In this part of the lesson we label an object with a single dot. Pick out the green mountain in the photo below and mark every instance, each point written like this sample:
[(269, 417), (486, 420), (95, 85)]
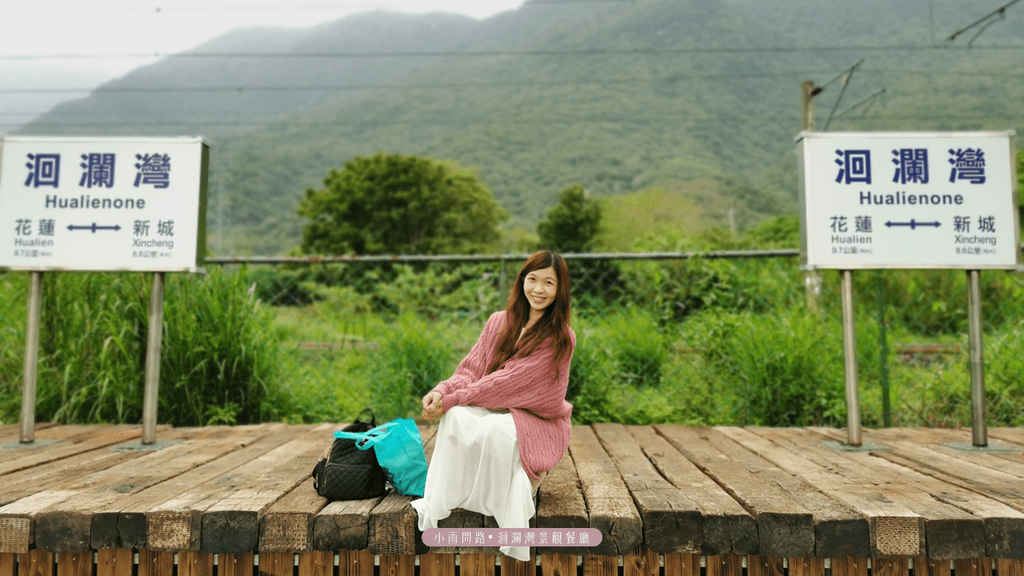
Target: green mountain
[(620, 96)]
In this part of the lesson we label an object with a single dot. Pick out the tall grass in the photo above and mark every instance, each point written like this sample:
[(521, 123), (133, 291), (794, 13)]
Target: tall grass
[(702, 341), (218, 363)]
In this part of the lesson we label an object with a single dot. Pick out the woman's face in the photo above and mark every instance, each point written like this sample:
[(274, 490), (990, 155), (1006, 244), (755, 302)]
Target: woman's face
[(540, 287)]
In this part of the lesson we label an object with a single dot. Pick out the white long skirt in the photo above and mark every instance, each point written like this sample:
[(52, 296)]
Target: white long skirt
[(476, 467)]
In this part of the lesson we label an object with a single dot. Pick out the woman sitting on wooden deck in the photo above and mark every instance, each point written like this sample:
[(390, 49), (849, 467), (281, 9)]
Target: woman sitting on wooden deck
[(506, 421)]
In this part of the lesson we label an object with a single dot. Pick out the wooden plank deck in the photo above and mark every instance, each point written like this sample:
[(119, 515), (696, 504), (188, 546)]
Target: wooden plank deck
[(667, 499)]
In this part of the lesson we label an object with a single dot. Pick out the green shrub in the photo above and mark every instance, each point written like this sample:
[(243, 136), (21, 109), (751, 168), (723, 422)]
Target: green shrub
[(638, 347), (590, 376), (782, 370), (220, 361), (414, 356)]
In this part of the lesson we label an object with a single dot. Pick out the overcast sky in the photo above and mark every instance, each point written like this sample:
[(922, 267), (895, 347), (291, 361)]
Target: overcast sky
[(66, 44)]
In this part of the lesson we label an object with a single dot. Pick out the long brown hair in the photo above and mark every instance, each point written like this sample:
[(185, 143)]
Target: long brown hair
[(554, 324)]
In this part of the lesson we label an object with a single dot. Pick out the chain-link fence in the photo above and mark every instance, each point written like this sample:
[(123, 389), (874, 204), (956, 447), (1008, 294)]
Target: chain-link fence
[(717, 338)]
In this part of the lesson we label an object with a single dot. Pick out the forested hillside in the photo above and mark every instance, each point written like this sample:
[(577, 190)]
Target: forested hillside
[(619, 96)]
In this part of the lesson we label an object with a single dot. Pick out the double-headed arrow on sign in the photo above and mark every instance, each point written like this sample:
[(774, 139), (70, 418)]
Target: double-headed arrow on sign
[(913, 224), (94, 227)]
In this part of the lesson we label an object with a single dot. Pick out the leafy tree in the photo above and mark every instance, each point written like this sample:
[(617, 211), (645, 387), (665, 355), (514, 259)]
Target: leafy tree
[(572, 224), (395, 204)]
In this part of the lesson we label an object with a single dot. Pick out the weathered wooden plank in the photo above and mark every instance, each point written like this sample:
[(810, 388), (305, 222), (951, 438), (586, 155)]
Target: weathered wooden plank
[(512, 567), (973, 567), (36, 563), (66, 526), (276, 564), (153, 563), (123, 522), (560, 501), (608, 500), (114, 562), (29, 480), (176, 522), (785, 528), (895, 566), (727, 526), (231, 525), (1009, 567), (288, 524), (806, 567), (1013, 436), (74, 564), (433, 564), (682, 565), (723, 565), (765, 566), (355, 563), (550, 565), (7, 562), (561, 505), (849, 566), (949, 534), (62, 441), (840, 528), (642, 561), (393, 528), (27, 493), (897, 528), (321, 563), (197, 564), (599, 565), (672, 522), (937, 439), (239, 564), (17, 530), (343, 525), (399, 566)]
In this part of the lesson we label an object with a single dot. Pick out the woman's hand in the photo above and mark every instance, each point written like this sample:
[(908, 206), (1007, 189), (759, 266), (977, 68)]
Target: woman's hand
[(432, 406)]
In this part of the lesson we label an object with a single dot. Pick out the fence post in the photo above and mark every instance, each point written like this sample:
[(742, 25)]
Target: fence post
[(979, 434), (28, 399)]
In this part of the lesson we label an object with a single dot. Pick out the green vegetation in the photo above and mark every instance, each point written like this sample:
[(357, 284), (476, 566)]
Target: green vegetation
[(394, 204), (701, 341), (219, 363), (572, 224)]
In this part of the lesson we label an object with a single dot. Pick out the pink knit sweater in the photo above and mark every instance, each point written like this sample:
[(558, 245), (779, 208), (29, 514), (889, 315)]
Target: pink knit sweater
[(528, 387)]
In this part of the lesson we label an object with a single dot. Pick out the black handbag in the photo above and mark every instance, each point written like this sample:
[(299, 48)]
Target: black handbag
[(348, 473)]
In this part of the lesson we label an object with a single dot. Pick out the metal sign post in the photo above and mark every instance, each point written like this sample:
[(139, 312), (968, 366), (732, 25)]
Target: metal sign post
[(28, 398), (850, 358), (979, 431), (156, 322)]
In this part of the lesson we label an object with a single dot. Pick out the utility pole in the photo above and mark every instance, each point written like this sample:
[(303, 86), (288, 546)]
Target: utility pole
[(812, 281)]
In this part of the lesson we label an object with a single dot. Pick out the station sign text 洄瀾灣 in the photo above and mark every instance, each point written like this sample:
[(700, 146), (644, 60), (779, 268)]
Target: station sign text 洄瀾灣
[(908, 200), (83, 203)]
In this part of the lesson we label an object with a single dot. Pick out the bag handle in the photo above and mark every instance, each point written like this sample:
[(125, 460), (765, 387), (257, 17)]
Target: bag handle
[(373, 417)]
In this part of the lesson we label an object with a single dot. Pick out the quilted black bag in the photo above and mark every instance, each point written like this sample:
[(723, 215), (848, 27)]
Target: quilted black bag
[(348, 473)]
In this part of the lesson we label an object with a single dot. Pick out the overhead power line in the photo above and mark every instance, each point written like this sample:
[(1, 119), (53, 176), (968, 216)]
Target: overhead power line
[(497, 53), (986, 21)]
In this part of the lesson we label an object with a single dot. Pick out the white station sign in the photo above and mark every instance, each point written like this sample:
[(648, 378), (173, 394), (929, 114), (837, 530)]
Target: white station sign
[(134, 204), (908, 200)]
